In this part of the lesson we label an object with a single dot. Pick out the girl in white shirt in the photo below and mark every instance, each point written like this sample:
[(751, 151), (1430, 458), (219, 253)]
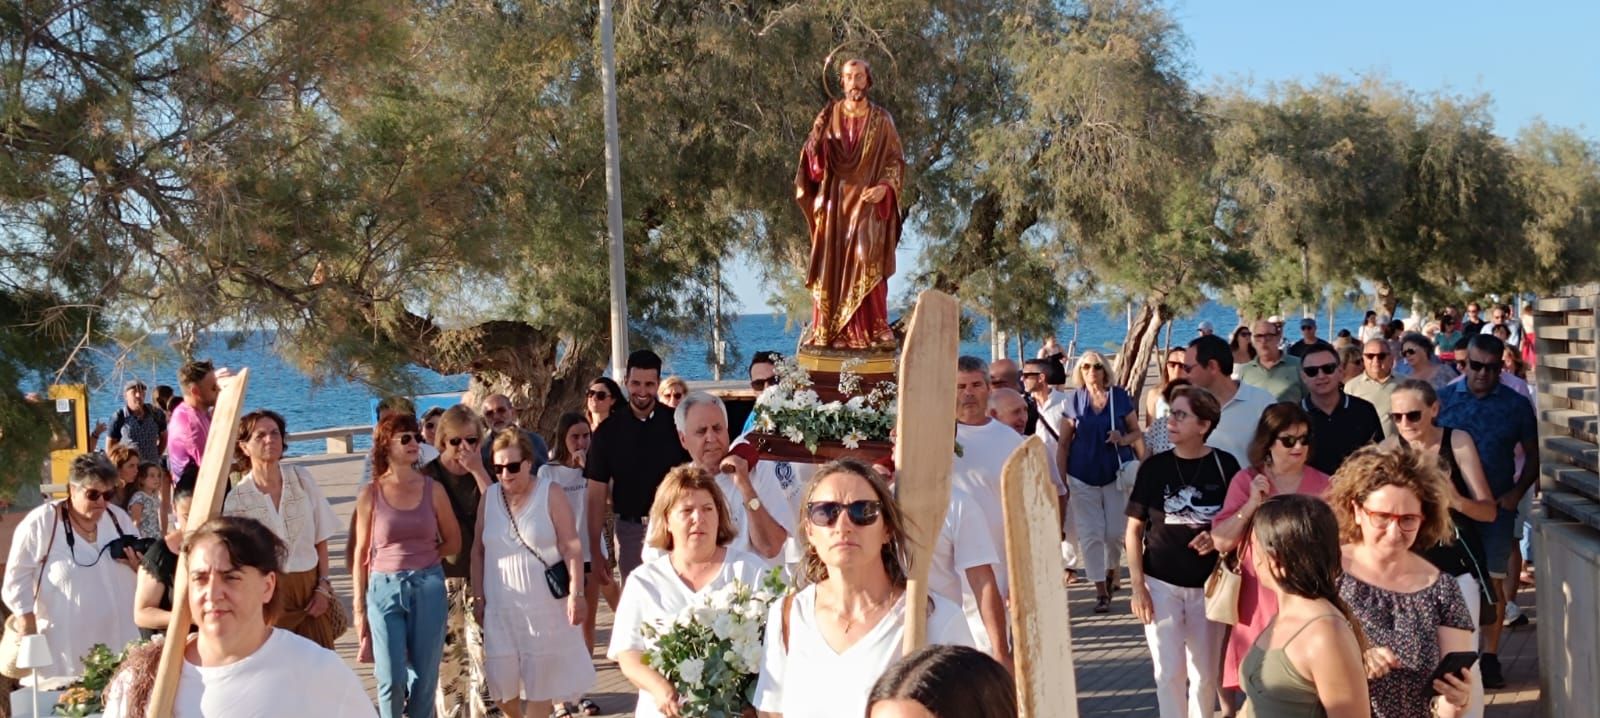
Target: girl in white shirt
[(827, 644), (689, 520)]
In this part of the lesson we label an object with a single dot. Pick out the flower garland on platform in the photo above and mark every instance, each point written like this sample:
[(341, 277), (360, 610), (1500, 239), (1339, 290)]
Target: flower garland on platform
[(792, 409)]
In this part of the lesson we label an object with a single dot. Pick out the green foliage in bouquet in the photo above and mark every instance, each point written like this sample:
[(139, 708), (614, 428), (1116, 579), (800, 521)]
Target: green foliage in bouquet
[(711, 652), (84, 698)]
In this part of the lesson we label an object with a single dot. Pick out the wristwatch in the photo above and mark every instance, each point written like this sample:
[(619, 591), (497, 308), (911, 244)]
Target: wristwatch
[(754, 505)]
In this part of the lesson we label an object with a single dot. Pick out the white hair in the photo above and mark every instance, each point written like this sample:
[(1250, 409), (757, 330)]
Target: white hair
[(694, 399)]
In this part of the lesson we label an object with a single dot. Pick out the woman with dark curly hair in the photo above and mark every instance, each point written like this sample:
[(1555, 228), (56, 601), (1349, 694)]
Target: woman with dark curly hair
[(1390, 499)]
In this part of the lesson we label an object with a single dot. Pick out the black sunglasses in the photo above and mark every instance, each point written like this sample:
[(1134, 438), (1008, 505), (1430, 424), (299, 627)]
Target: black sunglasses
[(1032, 373), (761, 384), (1377, 357), (98, 495), (1408, 351), (597, 394), (826, 513), (1289, 441), (469, 440), (1476, 365), (512, 467), (406, 438), (1411, 417), (1328, 369)]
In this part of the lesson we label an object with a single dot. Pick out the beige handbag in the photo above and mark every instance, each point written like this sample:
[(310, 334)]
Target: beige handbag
[(1222, 590), (11, 641)]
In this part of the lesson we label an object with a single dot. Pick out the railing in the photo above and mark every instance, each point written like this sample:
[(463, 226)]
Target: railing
[(341, 439)]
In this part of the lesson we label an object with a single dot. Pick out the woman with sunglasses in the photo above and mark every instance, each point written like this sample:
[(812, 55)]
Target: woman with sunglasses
[(1100, 428), (1420, 363), (565, 469), (404, 528), (1156, 407), (1278, 457), (689, 520), (672, 391), (62, 578), (1244, 350), (600, 400), (1389, 500), (287, 500), (828, 643), (535, 652)]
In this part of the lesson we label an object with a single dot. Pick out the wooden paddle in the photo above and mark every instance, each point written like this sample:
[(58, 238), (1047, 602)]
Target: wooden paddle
[(207, 504), (925, 436), (1040, 627)]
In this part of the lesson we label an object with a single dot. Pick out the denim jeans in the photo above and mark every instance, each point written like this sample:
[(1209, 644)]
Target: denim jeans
[(408, 614)]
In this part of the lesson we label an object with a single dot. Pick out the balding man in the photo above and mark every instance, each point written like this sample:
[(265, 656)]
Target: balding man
[(1272, 371), (1377, 380), (1004, 374)]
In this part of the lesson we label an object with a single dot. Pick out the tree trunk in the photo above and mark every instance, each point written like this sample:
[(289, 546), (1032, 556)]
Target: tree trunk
[(1384, 297), (1144, 335)]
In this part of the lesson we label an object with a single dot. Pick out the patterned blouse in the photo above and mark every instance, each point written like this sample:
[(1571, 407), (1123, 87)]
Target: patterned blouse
[(303, 519), (1408, 624)]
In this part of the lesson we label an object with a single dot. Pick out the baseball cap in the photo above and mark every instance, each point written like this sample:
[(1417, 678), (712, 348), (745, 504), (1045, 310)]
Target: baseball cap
[(1308, 323), (133, 384), (1205, 327)]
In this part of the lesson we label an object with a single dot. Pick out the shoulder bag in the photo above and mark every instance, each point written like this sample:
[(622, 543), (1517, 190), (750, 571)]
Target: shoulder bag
[(336, 617), (11, 641), (1127, 471), (556, 577), (1222, 588)]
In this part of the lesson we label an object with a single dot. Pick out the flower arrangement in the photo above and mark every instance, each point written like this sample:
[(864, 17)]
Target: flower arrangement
[(711, 652), (84, 698), (792, 409)]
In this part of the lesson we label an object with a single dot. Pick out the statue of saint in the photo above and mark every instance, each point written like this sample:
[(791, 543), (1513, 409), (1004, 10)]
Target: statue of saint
[(849, 185)]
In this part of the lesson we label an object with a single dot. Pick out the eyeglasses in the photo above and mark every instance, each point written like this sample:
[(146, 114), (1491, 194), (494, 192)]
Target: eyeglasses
[(406, 438), (1175, 365), (597, 394), (1411, 417), (826, 513), (1491, 366), (1381, 520), (1328, 369), (1380, 356), (468, 440), (1289, 441), (96, 495), (762, 384), (512, 467), (1180, 415)]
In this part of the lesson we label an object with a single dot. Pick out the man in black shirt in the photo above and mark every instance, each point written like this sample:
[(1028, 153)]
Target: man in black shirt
[(1340, 423), (630, 454), (1308, 339)]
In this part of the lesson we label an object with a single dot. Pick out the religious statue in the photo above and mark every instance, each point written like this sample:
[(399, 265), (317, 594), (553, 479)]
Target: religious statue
[(849, 185)]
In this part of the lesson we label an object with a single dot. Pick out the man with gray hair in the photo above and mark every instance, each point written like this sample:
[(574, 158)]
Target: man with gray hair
[(985, 446), (501, 416), (755, 506)]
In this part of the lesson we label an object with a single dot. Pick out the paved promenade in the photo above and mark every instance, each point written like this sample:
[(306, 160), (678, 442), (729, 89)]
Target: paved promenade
[(1113, 663)]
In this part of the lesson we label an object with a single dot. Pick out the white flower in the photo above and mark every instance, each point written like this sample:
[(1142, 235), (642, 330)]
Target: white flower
[(690, 670), (805, 398), (857, 403), (765, 423), (793, 433), (853, 440), (723, 625), (832, 407)]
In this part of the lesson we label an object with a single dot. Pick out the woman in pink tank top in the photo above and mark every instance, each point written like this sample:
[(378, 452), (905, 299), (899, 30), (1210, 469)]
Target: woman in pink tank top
[(403, 526)]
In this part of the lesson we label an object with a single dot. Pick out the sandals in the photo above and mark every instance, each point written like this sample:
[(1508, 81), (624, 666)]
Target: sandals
[(588, 707), (1102, 603), (561, 711)]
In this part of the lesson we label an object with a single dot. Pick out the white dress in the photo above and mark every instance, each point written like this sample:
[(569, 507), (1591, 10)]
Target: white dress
[(530, 650), (86, 597), (811, 680), (654, 594), (576, 487)]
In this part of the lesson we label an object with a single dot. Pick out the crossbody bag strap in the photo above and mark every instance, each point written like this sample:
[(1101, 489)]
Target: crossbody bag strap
[(44, 559), (512, 519)]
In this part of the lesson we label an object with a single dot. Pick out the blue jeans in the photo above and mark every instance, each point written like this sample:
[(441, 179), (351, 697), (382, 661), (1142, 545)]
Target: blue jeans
[(408, 614)]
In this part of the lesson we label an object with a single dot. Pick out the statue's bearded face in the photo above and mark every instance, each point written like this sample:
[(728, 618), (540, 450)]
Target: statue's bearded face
[(855, 78)]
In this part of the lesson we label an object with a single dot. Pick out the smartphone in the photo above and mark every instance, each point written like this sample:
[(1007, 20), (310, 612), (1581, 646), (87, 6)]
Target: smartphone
[(1453, 663)]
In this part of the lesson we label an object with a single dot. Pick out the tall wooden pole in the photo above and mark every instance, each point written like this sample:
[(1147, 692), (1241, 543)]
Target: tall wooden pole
[(619, 280)]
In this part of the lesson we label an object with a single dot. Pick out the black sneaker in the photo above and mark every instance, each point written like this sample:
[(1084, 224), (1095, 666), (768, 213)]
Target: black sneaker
[(1102, 604), (1491, 672)]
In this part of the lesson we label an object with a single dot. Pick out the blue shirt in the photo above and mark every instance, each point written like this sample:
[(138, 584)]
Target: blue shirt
[(1090, 459), (1497, 422)]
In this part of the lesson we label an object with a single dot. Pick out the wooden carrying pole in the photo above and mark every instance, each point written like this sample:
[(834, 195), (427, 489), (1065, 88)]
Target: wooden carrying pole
[(925, 444), (1040, 626), (207, 504)]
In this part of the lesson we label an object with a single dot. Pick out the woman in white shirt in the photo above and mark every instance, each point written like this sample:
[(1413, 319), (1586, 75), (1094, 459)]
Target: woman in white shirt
[(689, 520), (287, 500), (62, 579), (238, 664), (827, 644)]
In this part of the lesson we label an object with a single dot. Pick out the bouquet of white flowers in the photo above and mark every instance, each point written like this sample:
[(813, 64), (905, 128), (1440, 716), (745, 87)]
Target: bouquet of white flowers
[(792, 409), (711, 652)]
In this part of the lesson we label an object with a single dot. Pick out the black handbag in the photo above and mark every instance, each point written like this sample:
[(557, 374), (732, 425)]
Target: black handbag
[(556, 577)]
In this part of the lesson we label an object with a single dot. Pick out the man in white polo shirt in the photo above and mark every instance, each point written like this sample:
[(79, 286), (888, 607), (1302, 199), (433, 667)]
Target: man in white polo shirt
[(1210, 364), (985, 444)]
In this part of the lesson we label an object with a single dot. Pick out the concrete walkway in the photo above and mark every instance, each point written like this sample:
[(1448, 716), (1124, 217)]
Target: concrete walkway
[(1113, 662)]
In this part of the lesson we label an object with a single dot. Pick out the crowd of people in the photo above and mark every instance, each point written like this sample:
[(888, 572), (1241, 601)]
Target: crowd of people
[(1370, 516)]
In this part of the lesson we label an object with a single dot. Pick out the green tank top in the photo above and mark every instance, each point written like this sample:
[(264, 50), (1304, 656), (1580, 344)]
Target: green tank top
[(1275, 689)]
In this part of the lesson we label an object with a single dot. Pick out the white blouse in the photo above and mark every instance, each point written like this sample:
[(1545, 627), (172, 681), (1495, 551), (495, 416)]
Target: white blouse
[(654, 594), (811, 680), (304, 519)]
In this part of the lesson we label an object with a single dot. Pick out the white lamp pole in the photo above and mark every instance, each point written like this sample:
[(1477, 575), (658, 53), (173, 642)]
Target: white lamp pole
[(34, 652), (619, 280)]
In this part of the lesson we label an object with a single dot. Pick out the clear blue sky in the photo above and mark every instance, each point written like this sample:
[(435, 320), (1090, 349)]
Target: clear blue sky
[(1535, 59)]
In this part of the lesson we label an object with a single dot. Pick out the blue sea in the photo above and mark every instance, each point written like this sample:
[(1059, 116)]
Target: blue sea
[(279, 386)]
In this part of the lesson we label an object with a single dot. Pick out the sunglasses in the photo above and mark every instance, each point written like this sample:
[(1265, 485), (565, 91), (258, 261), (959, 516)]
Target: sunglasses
[(1269, 335), (826, 513), (1411, 417), (1027, 374), (597, 394), (1408, 351), (405, 439), (1095, 367), (1476, 365), (1177, 365), (1327, 369), (95, 495), (468, 440), (1380, 356), (1289, 441), (761, 384), (674, 395), (513, 467), (1381, 520)]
